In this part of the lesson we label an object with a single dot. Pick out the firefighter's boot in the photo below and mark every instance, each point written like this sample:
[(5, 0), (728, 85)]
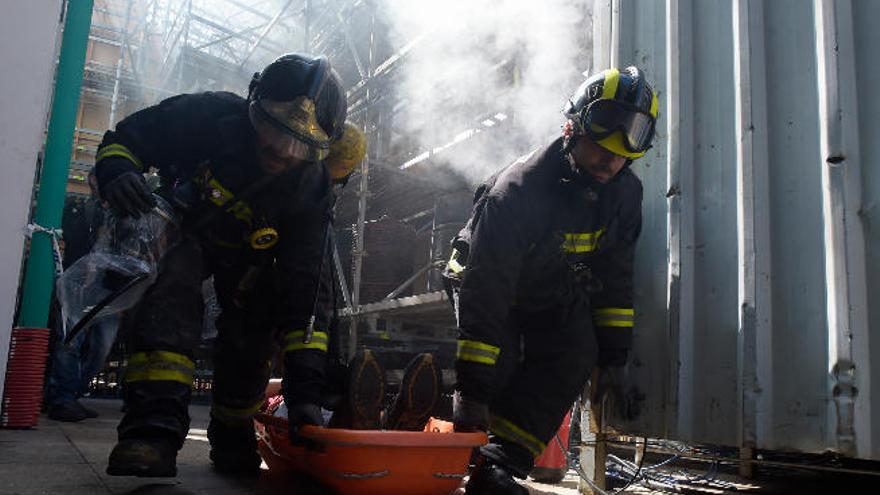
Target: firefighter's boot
[(146, 457), (489, 478), (233, 449)]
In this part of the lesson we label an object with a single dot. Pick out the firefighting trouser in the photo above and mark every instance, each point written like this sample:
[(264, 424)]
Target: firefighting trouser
[(165, 328), (542, 365)]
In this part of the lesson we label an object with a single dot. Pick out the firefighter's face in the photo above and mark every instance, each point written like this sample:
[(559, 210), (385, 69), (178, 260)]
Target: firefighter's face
[(274, 160), (602, 164)]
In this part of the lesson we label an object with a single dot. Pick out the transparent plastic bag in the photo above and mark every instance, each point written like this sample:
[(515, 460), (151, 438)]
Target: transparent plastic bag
[(122, 264), (212, 310)]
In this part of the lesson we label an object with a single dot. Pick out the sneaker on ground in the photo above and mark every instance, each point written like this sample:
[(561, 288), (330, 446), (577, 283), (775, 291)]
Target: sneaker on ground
[(366, 391), (70, 412), (418, 395)]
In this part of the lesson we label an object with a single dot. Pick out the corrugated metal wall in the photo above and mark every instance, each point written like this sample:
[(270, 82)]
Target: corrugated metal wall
[(760, 253)]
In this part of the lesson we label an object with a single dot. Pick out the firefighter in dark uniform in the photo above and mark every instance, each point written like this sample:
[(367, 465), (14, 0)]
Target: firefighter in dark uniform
[(542, 276), (250, 180)]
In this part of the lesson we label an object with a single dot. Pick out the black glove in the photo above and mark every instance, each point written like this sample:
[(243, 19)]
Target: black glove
[(128, 194), (617, 392), (468, 414), (302, 414)]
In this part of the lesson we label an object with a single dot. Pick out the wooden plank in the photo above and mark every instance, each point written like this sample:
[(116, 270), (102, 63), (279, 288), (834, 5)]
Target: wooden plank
[(594, 452)]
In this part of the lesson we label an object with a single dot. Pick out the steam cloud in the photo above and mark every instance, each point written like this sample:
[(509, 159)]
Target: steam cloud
[(475, 62)]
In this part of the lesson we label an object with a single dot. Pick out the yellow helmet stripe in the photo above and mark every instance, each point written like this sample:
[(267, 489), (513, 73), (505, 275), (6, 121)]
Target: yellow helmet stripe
[(655, 104), (609, 87)]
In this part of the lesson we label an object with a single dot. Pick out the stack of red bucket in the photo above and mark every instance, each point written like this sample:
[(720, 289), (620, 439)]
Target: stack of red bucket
[(23, 392)]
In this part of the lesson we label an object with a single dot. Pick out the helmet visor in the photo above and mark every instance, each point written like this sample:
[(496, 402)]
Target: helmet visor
[(298, 137), (604, 117)]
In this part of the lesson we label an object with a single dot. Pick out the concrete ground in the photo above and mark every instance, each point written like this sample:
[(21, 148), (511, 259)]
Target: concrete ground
[(70, 459)]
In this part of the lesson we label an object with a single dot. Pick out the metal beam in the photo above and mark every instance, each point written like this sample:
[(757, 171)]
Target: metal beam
[(249, 9), (178, 17), (402, 287), (265, 32), (352, 47), (111, 119), (212, 24), (238, 34), (340, 275)]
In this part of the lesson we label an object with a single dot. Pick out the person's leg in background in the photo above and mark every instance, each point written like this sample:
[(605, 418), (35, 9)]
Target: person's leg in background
[(101, 336), (65, 379)]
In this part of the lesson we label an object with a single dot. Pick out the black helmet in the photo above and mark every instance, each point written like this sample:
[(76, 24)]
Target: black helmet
[(616, 109), (299, 104)]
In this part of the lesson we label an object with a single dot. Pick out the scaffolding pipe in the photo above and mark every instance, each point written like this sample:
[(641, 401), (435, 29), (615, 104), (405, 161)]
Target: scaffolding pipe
[(406, 283), (363, 193), (265, 32), (340, 276), (180, 59), (352, 46), (39, 271), (114, 101), (238, 34), (307, 12)]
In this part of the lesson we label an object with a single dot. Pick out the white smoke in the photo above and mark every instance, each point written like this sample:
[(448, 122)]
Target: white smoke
[(487, 79)]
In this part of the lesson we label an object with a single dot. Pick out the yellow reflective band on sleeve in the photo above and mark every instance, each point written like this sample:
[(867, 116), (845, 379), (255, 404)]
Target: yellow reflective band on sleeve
[(293, 341), (477, 352), (228, 414), (454, 265), (512, 433), (159, 366), (119, 150), (582, 242), (614, 317)]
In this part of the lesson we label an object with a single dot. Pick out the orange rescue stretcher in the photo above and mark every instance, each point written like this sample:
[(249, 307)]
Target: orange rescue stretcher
[(366, 462)]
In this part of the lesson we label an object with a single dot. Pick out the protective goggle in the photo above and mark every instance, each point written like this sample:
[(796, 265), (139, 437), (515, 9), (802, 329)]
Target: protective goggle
[(290, 127), (603, 118)]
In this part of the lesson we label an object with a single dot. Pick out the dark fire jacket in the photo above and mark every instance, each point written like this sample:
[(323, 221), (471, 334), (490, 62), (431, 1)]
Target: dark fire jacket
[(205, 151), (543, 236)]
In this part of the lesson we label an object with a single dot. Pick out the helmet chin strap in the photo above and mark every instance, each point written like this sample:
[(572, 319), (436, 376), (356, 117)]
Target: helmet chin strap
[(570, 136)]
